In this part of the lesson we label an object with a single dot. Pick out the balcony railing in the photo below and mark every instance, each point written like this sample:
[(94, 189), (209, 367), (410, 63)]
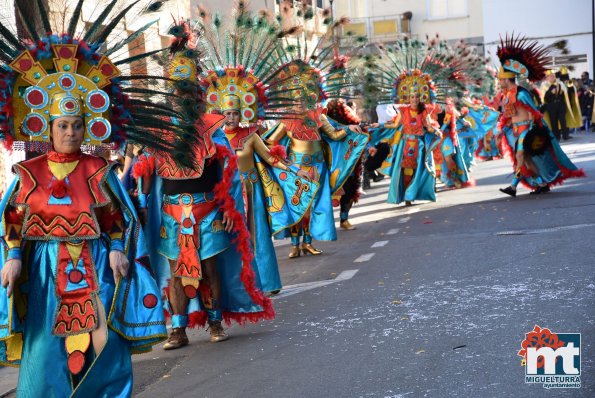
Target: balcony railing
[(385, 28)]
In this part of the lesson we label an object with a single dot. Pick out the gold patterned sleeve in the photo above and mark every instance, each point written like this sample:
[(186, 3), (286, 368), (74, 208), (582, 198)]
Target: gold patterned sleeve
[(265, 153), (328, 130)]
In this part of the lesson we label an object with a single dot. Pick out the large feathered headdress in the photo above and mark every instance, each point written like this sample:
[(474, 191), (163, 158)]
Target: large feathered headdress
[(243, 66), (522, 57), (48, 73), (432, 70)]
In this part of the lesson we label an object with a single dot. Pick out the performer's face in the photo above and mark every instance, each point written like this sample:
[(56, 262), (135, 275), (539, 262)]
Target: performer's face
[(232, 119), (414, 100), (67, 134), (505, 84)]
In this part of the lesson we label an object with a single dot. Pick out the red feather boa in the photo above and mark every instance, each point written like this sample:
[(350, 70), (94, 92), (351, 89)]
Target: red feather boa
[(144, 167), (242, 241)]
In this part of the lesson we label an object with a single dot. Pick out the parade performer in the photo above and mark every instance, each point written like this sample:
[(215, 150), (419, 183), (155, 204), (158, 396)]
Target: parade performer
[(412, 72), (338, 111), (277, 194), (78, 294), (538, 160), (448, 155), (468, 140), (200, 244), (324, 148), (483, 120)]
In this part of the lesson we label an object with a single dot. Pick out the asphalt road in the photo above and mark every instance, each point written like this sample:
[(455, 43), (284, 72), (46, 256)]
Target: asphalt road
[(437, 308), (428, 301)]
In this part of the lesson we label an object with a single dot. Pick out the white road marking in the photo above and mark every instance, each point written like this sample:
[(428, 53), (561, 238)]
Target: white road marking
[(403, 220), (545, 230), (393, 231), (364, 257), (379, 244), (290, 290), (346, 275)]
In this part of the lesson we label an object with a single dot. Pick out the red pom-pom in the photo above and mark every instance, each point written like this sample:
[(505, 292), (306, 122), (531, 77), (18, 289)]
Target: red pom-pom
[(279, 152), (59, 189), (144, 167)]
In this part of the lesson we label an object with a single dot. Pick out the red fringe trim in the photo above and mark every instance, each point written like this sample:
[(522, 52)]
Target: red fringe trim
[(242, 240), (564, 175), (506, 150), (470, 183)]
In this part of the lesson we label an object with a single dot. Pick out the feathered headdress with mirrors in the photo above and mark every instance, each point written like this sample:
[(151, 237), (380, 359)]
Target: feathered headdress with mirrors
[(520, 57), (322, 65), (319, 68), (183, 68), (79, 70), (242, 67), (431, 70)]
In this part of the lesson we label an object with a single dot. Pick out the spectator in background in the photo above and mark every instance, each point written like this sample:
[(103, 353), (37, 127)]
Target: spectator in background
[(585, 79), (586, 97)]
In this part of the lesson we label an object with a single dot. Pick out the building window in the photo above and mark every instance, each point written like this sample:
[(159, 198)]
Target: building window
[(319, 3), (443, 9)]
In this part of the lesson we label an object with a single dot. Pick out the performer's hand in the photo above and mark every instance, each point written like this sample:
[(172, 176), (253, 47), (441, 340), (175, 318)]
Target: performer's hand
[(118, 263), (10, 273), (228, 222), (372, 151), (355, 128), (304, 174), (438, 133), (375, 125)]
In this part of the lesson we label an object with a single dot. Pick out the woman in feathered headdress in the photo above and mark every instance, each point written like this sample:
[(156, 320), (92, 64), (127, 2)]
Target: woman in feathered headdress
[(538, 160), (240, 84), (328, 150), (77, 295)]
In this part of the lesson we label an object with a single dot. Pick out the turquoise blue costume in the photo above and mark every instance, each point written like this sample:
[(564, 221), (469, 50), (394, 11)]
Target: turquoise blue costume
[(241, 296), (72, 321), (132, 306), (279, 200), (483, 122), (468, 141), (454, 171), (332, 165), (410, 164)]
